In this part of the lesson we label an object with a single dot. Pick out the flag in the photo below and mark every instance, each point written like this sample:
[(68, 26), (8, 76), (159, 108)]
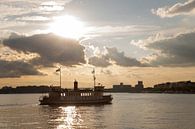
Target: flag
[(93, 72), (58, 70)]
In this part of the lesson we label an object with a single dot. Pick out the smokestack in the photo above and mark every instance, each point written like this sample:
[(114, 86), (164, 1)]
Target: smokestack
[(75, 85)]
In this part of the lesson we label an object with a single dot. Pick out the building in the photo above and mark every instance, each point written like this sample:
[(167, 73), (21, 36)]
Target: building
[(139, 85), (122, 88)]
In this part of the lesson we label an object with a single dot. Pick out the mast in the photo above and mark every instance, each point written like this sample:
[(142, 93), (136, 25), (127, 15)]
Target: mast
[(60, 78)]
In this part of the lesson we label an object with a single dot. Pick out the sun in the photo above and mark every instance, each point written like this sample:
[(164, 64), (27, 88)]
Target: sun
[(67, 26)]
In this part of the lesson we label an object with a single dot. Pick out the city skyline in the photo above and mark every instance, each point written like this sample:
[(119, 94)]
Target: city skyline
[(125, 41)]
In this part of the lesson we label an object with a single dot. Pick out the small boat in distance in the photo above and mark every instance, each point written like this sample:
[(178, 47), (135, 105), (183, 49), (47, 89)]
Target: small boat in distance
[(76, 96)]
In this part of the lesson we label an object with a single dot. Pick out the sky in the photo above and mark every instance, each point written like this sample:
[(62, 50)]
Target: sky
[(125, 41)]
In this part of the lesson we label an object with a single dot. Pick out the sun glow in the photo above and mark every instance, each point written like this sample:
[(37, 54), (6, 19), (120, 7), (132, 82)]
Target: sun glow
[(67, 26)]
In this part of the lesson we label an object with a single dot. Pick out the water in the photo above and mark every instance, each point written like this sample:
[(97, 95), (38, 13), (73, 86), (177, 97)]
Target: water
[(128, 111)]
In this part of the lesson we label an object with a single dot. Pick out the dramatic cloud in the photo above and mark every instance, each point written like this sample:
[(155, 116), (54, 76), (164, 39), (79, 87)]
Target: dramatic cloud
[(153, 38), (177, 51), (116, 57), (8, 54), (51, 49), (102, 61), (177, 9), (10, 69), (121, 59)]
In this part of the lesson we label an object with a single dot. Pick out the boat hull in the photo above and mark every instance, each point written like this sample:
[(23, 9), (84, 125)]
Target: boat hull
[(48, 101)]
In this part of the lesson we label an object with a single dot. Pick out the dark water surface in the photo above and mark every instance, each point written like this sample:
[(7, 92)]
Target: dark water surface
[(128, 111)]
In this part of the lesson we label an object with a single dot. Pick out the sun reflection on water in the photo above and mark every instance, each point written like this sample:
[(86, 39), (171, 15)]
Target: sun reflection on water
[(69, 118)]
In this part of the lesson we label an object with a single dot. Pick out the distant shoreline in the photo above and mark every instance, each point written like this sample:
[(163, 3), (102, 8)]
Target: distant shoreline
[(183, 87), (108, 92), (45, 90)]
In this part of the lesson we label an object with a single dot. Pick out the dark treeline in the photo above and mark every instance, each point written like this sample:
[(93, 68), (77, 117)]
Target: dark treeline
[(175, 87), (24, 89)]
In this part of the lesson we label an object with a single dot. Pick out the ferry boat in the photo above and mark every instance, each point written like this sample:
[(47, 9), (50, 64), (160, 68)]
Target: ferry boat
[(76, 96)]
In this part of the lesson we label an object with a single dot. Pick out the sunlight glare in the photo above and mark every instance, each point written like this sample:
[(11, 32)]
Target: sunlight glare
[(67, 26), (70, 118)]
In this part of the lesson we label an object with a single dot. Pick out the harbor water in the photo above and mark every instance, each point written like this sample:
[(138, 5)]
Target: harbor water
[(127, 111)]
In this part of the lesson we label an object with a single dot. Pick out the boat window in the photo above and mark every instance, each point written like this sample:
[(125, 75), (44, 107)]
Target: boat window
[(62, 94)]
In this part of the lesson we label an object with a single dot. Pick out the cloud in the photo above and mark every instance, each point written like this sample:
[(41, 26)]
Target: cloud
[(161, 35), (102, 61), (8, 54), (12, 69), (33, 18), (109, 30), (51, 49), (15, 7), (106, 71), (121, 59), (176, 51), (52, 6), (143, 43), (177, 9), (113, 56), (26, 16)]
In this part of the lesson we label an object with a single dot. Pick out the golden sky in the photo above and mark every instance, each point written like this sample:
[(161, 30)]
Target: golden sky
[(125, 41)]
